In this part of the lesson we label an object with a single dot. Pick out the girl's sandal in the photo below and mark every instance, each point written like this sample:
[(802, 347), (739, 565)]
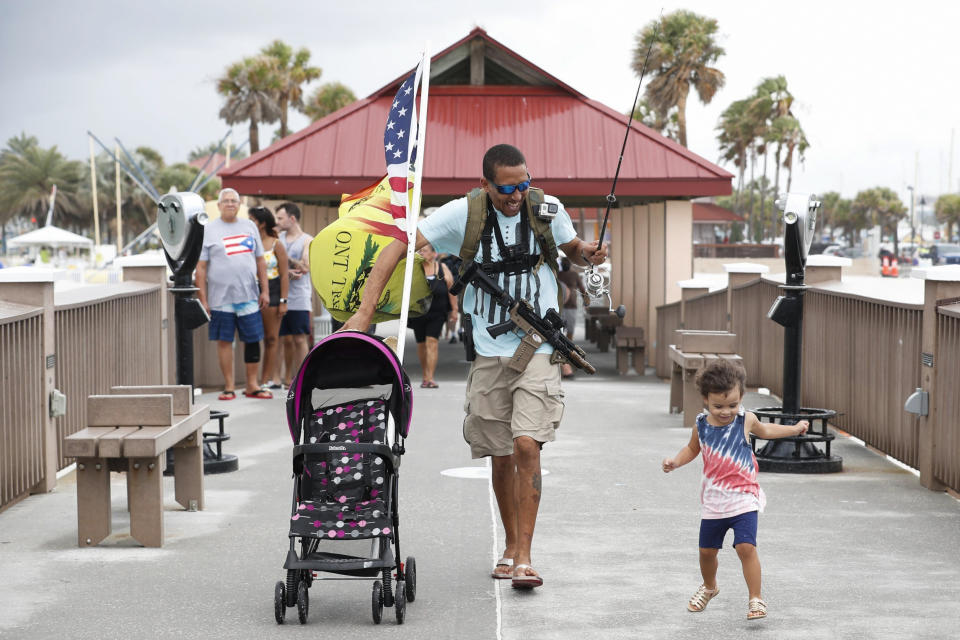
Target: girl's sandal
[(700, 599), (757, 609)]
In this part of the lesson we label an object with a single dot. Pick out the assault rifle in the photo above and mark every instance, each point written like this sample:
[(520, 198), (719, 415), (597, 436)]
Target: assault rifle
[(523, 318)]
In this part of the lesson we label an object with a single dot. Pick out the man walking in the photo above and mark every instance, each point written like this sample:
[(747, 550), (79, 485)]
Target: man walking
[(232, 282), (295, 325), (513, 230)]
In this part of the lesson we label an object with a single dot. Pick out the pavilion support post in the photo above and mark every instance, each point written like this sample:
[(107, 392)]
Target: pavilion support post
[(941, 283)]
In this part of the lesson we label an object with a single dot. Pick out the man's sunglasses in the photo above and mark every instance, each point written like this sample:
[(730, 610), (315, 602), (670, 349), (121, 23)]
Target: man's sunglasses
[(507, 189)]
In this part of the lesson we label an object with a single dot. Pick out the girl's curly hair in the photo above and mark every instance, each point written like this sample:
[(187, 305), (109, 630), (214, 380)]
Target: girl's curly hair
[(720, 376)]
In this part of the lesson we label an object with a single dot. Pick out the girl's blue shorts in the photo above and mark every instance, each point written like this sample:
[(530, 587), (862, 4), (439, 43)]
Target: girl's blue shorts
[(744, 528)]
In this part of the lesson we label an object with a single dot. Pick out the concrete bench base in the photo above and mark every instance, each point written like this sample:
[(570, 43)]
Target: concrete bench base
[(143, 427)]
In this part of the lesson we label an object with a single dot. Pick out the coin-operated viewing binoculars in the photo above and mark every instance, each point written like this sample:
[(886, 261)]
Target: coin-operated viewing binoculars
[(180, 220), (799, 223), (797, 454)]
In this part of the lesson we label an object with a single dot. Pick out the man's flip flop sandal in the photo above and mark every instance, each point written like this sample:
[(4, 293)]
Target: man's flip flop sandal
[(525, 581), (259, 394), (507, 575)]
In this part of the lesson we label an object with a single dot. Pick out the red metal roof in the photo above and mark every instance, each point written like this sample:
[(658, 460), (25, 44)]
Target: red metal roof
[(707, 212), (217, 160), (570, 141)]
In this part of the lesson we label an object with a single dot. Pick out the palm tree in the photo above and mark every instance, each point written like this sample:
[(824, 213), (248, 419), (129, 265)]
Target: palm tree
[(883, 207), (293, 72), (735, 138), (664, 124), (775, 127), (947, 209), (252, 88), (773, 101), (682, 52), (27, 175), (328, 98), (794, 139), (838, 213)]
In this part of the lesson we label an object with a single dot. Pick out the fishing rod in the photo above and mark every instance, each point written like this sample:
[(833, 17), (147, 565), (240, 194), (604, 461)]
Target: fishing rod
[(598, 285)]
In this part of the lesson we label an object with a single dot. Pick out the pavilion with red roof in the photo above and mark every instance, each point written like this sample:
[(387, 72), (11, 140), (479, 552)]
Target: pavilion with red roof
[(482, 93)]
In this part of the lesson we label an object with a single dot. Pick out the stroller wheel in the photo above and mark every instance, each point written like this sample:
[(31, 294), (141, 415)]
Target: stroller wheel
[(293, 578), (401, 601), (279, 606), (377, 602), (410, 574), (303, 601)]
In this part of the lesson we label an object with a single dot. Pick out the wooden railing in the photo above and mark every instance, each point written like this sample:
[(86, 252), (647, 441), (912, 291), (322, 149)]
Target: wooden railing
[(862, 357), (61, 338), (946, 397), (707, 311), (22, 408), (668, 321), (106, 336)]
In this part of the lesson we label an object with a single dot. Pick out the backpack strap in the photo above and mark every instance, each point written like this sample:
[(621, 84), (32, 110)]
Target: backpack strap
[(543, 233), (476, 216)]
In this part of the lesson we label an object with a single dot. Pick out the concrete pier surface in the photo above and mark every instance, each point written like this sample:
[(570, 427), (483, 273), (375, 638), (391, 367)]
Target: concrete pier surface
[(865, 553)]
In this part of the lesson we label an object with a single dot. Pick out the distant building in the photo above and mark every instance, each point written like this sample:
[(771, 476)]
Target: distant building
[(712, 223)]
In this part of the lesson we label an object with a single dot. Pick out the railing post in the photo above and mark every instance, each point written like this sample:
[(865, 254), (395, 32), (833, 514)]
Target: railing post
[(825, 268), (153, 269), (941, 283), (739, 274), (689, 289), (34, 286)]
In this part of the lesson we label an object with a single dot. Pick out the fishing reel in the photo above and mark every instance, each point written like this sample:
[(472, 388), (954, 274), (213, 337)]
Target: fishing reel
[(597, 285)]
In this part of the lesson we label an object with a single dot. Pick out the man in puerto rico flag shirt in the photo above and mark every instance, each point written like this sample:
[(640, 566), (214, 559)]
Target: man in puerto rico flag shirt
[(232, 283)]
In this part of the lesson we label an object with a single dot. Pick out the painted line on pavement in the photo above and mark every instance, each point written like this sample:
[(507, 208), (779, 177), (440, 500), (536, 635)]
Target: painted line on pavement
[(494, 558)]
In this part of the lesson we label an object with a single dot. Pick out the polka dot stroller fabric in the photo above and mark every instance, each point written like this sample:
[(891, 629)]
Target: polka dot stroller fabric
[(342, 495), (346, 453)]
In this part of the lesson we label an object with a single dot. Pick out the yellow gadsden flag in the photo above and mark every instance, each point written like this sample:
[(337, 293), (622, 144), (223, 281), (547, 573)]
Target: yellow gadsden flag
[(342, 255)]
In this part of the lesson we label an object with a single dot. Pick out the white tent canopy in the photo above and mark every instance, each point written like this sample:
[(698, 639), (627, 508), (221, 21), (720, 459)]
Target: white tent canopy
[(50, 236)]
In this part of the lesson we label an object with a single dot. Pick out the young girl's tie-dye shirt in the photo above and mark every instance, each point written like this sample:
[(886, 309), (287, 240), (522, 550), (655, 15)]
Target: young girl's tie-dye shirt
[(730, 484)]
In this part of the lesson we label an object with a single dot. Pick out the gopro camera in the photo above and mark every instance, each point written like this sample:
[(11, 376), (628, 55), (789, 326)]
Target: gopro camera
[(547, 211)]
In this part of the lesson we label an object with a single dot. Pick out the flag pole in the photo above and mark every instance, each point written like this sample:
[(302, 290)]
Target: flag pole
[(413, 208)]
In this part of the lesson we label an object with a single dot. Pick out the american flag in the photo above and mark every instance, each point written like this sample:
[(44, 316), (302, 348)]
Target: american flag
[(396, 139), (238, 244)]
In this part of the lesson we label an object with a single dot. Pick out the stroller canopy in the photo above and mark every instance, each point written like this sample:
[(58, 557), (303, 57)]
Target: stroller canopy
[(349, 359)]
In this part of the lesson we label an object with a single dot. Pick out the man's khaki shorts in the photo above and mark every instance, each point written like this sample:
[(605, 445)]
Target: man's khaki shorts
[(503, 405)]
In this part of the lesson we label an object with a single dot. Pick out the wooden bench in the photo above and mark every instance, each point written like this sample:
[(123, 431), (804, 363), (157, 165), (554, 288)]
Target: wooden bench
[(630, 348), (692, 350), (130, 431)]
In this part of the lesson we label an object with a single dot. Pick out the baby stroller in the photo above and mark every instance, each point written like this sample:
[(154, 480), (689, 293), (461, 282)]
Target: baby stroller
[(349, 409)]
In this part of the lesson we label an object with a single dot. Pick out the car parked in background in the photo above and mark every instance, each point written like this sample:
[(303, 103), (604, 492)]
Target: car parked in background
[(944, 254)]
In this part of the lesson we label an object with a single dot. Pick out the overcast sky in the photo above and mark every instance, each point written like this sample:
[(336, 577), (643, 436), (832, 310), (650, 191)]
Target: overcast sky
[(876, 84)]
